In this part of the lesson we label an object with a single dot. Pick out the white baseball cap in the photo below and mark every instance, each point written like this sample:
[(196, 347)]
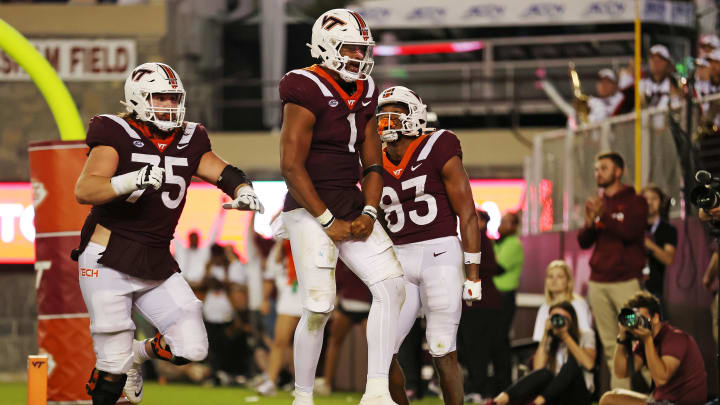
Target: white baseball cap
[(607, 74), (713, 56), (710, 40), (661, 50)]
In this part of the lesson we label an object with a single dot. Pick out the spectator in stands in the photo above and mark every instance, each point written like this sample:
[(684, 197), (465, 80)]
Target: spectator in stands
[(659, 89), (280, 277), (192, 259), (509, 256), (609, 101), (562, 364), (559, 287), (481, 331), (227, 354), (661, 241), (353, 307), (615, 224), (671, 355), (707, 44)]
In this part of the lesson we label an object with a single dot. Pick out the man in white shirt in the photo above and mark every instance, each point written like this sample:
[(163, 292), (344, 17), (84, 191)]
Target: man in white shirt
[(609, 98)]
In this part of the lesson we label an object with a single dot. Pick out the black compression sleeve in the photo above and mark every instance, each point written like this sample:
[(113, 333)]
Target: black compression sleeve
[(230, 178)]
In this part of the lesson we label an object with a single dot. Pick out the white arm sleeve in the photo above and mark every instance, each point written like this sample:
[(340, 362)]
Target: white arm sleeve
[(542, 316)]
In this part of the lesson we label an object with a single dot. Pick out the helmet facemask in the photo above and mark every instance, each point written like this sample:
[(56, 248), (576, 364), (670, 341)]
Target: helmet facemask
[(340, 63), (165, 118), (391, 124)]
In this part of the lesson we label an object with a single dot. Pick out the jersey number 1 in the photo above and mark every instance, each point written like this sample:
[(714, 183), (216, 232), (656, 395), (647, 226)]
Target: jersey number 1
[(170, 178)]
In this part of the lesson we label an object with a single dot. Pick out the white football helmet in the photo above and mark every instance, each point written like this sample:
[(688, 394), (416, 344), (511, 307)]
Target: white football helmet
[(154, 78), (414, 123), (336, 28)]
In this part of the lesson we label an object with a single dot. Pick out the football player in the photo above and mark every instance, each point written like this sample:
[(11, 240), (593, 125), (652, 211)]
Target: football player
[(136, 177), (328, 128), (426, 190)]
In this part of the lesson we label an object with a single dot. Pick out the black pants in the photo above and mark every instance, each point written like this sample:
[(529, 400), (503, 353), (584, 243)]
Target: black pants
[(228, 351), (565, 388), (479, 336), (501, 353)]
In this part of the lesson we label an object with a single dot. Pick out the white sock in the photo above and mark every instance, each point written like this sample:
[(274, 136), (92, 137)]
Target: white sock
[(388, 296), (306, 349), (377, 386), (140, 355)]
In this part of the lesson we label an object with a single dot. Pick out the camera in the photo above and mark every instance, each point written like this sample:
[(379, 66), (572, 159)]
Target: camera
[(558, 321), (706, 194), (631, 318)]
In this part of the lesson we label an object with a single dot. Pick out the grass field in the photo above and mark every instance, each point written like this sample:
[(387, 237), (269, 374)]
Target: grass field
[(179, 394)]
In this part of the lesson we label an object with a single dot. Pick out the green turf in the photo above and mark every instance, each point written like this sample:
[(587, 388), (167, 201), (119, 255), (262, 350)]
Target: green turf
[(181, 394)]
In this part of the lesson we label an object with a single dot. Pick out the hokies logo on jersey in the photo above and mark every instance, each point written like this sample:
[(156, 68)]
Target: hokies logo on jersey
[(397, 172)]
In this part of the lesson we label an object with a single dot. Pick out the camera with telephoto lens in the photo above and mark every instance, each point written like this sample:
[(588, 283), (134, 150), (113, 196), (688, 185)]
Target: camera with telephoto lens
[(706, 194), (558, 321), (632, 319)]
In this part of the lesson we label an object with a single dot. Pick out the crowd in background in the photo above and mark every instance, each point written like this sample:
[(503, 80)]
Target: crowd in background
[(251, 308)]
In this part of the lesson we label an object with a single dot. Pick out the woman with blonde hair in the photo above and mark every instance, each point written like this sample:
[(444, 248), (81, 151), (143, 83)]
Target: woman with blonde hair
[(559, 285)]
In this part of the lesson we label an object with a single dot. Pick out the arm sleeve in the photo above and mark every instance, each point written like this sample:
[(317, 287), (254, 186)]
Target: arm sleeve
[(632, 227), (671, 236), (540, 319), (586, 237), (300, 90), (583, 313), (675, 345), (102, 131), (587, 339), (446, 147), (203, 140), (510, 257)]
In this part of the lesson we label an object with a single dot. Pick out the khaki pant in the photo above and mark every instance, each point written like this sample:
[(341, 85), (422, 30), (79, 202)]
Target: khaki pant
[(606, 300)]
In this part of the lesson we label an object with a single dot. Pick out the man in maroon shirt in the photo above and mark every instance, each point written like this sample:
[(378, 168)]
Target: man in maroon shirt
[(615, 224), (672, 356)]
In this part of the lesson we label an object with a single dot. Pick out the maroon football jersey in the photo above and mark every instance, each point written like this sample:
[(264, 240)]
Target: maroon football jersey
[(415, 206), (143, 222), (333, 161)]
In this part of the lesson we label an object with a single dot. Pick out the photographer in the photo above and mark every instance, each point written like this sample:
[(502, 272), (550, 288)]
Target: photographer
[(678, 374), (563, 362)]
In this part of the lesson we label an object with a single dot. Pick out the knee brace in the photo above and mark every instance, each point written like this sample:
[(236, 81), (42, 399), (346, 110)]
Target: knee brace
[(164, 353), (103, 391)]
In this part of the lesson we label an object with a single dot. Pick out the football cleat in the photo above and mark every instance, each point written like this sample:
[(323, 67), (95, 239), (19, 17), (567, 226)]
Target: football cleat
[(302, 398), (133, 389), (382, 399)]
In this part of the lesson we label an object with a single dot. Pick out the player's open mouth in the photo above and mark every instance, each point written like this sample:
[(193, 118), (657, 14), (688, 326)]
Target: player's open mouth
[(353, 67)]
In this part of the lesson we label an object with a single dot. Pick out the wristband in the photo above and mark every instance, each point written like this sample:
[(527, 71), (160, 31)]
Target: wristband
[(325, 219), (471, 258), (124, 183), (370, 211), (373, 168)]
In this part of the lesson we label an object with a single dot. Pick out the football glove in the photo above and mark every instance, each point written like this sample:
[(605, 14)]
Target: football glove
[(472, 290), (245, 200), (148, 176)]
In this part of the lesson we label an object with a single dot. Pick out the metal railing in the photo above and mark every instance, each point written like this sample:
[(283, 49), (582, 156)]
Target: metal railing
[(560, 171)]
